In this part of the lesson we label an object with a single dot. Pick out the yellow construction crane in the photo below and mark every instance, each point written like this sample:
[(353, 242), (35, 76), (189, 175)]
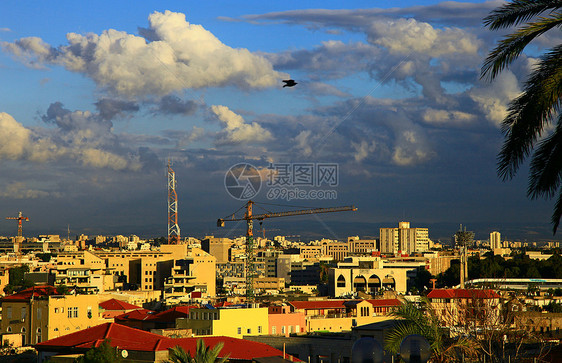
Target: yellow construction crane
[(249, 217)]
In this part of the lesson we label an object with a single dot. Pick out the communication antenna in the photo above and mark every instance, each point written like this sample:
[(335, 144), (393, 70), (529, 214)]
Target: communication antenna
[(173, 227)]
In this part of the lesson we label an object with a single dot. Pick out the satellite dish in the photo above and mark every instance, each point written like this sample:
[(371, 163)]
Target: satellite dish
[(124, 353)]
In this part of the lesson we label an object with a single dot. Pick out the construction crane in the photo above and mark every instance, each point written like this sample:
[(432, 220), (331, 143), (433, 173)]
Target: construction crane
[(20, 218), (249, 217)]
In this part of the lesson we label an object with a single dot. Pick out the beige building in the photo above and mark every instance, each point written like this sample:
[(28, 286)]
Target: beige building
[(361, 246), (404, 239), (368, 275), (196, 271), (230, 322), (495, 240), (39, 314), (218, 247), (310, 252)]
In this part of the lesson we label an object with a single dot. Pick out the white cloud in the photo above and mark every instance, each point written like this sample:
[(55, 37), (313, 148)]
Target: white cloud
[(82, 144), (18, 190), (362, 149), (178, 55), (236, 130), (493, 98), (409, 35), (304, 143), (435, 116)]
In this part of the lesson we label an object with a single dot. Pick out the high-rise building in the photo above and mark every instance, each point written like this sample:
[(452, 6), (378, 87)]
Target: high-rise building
[(404, 239), (495, 240)]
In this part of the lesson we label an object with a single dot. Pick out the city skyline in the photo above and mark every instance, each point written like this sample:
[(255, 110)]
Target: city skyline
[(97, 97)]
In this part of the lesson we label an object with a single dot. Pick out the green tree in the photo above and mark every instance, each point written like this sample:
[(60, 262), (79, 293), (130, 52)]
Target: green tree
[(423, 321), (203, 354), (538, 106), (104, 353)]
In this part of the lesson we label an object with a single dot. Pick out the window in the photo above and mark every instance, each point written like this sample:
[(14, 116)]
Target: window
[(72, 312), (9, 312), (259, 329), (283, 329), (39, 311), (273, 330), (239, 330), (249, 331), (23, 313)]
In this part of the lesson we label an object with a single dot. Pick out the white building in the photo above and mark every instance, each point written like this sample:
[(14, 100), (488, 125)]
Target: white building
[(495, 240), (404, 239)]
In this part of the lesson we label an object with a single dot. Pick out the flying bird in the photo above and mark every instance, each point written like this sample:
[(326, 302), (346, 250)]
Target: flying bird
[(289, 83)]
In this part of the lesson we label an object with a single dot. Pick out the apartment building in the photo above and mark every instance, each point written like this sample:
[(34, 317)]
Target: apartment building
[(40, 313), (218, 247), (495, 240), (231, 321), (369, 275), (361, 246), (404, 239)]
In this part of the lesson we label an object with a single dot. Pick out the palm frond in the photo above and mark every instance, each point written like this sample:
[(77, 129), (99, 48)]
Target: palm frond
[(546, 167), (529, 113), (395, 337), (518, 11), (511, 46), (557, 214)]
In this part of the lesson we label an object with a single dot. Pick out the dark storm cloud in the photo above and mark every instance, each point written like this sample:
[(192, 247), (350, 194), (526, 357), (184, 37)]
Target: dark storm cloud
[(109, 108), (446, 13), (174, 105)]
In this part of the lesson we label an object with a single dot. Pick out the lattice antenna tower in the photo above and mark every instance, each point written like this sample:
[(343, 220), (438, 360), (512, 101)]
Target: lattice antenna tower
[(173, 227)]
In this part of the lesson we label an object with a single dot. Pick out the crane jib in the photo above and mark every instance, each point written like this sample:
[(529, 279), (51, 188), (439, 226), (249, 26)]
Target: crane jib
[(220, 222)]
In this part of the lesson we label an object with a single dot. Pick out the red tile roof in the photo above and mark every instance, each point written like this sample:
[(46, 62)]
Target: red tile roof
[(321, 304), (115, 304), (462, 294), (385, 302), (120, 336), (139, 314), (133, 339), (35, 291), (235, 348), (172, 314)]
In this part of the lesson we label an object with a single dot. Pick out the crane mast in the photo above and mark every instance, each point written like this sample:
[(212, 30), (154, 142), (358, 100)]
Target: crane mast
[(19, 218), (249, 217)]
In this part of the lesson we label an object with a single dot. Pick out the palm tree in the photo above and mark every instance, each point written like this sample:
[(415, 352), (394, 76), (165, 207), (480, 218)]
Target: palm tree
[(526, 125), (423, 321), (203, 354)]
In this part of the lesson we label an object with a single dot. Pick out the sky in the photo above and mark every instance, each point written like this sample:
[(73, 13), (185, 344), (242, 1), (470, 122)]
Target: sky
[(389, 114)]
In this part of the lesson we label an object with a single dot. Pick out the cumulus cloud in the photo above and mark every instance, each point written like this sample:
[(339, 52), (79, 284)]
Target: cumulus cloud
[(409, 35), (493, 99), (436, 116), (76, 137), (174, 105), (362, 149), (18, 190), (109, 108), (410, 148), (173, 55), (236, 130), (325, 60)]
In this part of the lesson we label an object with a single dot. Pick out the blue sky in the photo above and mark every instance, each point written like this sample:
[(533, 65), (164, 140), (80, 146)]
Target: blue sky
[(96, 97)]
